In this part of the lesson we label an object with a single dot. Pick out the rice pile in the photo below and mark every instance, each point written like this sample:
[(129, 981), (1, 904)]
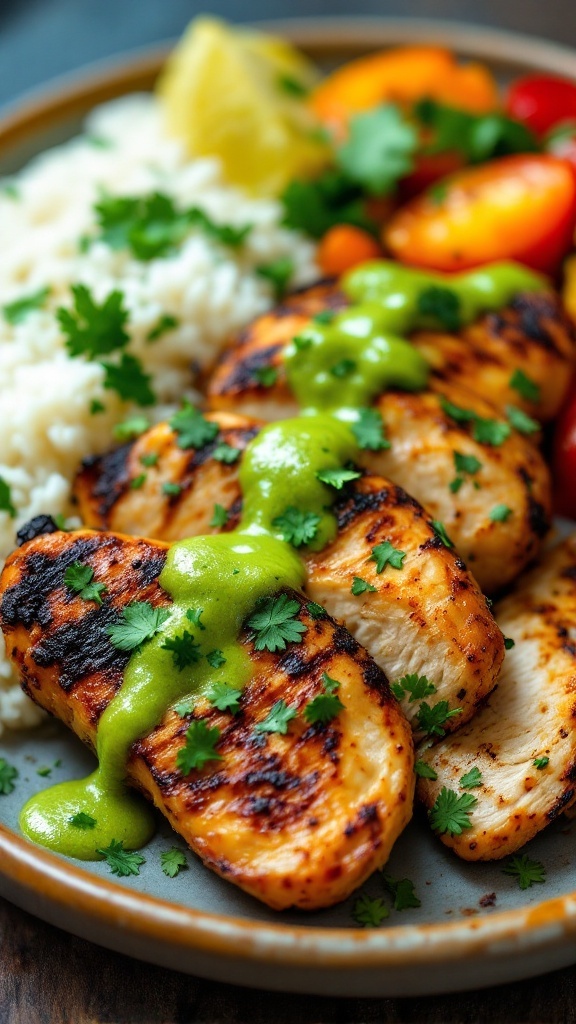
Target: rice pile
[(208, 288)]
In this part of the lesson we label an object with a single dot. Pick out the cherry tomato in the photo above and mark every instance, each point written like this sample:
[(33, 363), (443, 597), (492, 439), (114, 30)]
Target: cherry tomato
[(517, 208), (542, 101), (564, 463)]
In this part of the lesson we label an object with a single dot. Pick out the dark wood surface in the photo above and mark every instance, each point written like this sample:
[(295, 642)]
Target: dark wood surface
[(49, 977)]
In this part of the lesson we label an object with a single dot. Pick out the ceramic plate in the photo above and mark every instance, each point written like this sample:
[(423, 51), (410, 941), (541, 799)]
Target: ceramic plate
[(475, 926)]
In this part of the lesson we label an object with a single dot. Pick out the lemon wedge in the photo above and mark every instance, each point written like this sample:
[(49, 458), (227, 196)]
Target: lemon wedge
[(238, 95)]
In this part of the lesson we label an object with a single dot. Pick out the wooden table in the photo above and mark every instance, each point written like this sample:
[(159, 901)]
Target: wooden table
[(49, 977)]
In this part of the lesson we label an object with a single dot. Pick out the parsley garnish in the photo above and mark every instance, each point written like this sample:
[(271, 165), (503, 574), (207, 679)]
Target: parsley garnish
[(166, 322), (185, 651), (275, 624), (7, 775), (402, 892), (442, 305), (500, 513), (173, 861), (80, 579), (369, 913), (337, 477), (525, 386), (171, 490), (509, 643), (224, 452), (360, 586), (266, 376), (440, 531), (216, 659), (425, 771), (525, 870), (279, 273), (472, 779), (129, 380), (386, 554), (140, 622), (224, 697), (417, 687), (541, 762), (16, 312), (327, 705), (431, 718), (451, 812), (93, 330), (83, 821), (379, 150), (296, 527), (131, 428), (120, 861), (520, 420), (192, 429), (369, 430), (277, 719), (6, 504), (316, 611), (200, 747)]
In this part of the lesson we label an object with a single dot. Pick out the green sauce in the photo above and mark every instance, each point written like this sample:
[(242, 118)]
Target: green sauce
[(335, 368)]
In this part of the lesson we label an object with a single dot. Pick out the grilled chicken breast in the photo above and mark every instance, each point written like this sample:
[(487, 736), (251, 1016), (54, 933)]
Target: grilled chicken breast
[(529, 717), (429, 618), (295, 820)]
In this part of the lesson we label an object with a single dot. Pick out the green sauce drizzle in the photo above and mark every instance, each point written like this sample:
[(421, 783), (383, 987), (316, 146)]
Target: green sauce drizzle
[(335, 368)]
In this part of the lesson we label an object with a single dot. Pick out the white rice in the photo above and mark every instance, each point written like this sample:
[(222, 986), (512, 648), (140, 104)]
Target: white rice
[(45, 395)]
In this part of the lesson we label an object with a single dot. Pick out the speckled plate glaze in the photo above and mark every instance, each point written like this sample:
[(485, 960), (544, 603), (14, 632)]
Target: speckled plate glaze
[(475, 926)]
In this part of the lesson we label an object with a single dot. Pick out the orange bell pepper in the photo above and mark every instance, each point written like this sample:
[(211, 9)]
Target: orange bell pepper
[(404, 75), (345, 246), (518, 207)]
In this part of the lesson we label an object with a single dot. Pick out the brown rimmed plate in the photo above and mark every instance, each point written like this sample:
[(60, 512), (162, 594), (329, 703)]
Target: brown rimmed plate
[(474, 927)]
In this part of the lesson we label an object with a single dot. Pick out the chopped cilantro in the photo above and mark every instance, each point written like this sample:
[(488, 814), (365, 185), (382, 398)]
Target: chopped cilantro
[(232, 235), (425, 771), (343, 368), (415, 686), (500, 513), (466, 463), (80, 579), (440, 531), (402, 892), (266, 376), (94, 330), (509, 643), (139, 622), (96, 406), (166, 322), (275, 624), (83, 821), (200, 747), (525, 386), (316, 611), (138, 481), (219, 517), (318, 205), (44, 772), (520, 420), (6, 503), (337, 477), (277, 719), (296, 527), (369, 913), (215, 658), (194, 615), (120, 861), (8, 773), (477, 136), (192, 429), (224, 452), (386, 554), (173, 861), (379, 149), (292, 86), (325, 316), (360, 586), (431, 718), (184, 649), (17, 311), (472, 779), (224, 697), (525, 870), (279, 273), (129, 380), (184, 708), (149, 458), (171, 490), (541, 762), (442, 306), (451, 812), (369, 430), (327, 705), (485, 431), (131, 428)]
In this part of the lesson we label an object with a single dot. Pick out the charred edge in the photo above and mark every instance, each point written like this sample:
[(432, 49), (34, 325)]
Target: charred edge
[(560, 804), (148, 568), (235, 438), (82, 648), (537, 517), (36, 527), (352, 505), (530, 313), (375, 679), (569, 573), (277, 808), (27, 602), (243, 372), (110, 475), (367, 815)]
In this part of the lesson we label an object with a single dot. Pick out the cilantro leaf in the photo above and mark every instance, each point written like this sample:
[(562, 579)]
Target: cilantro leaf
[(485, 431), (7, 775), (466, 463), (171, 490), (541, 762), (316, 611), (194, 615), (165, 322), (275, 624), (129, 380), (120, 861), (184, 708), (369, 913), (185, 651), (231, 235), (402, 892), (296, 527), (216, 659), (149, 458), (138, 481), (79, 578), (431, 718), (17, 311), (369, 430), (442, 306), (337, 477), (417, 687), (192, 429), (266, 376), (83, 821), (96, 406), (292, 86), (219, 517), (6, 504), (224, 697), (277, 718), (425, 771), (500, 513), (360, 586), (509, 643), (140, 622), (316, 206), (440, 531), (224, 452), (343, 368), (477, 136), (379, 150), (526, 871), (130, 428), (472, 779), (327, 705), (200, 747), (279, 273), (386, 554), (451, 812), (93, 330), (525, 386), (173, 861), (520, 420)]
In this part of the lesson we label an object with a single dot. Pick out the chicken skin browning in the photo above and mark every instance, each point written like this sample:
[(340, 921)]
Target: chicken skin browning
[(296, 820), (523, 741), (429, 618)]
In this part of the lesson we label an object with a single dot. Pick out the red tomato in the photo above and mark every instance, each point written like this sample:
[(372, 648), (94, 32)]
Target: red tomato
[(542, 101), (565, 460)]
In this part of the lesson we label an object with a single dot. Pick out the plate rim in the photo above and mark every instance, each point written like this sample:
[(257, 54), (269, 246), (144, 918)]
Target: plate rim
[(545, 924)]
